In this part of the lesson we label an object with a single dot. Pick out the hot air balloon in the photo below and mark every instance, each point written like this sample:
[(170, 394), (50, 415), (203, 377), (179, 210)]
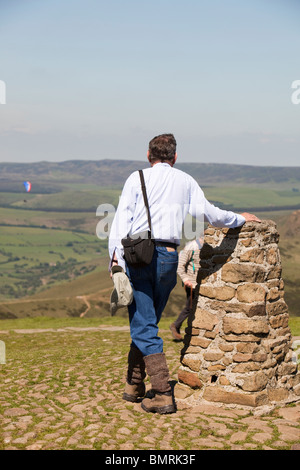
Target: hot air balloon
[(27, 185)]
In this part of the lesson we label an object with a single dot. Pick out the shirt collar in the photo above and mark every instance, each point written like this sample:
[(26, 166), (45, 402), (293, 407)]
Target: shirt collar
[(161, 163)]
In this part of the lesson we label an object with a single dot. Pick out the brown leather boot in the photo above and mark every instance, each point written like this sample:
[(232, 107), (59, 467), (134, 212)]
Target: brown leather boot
[(135, 388), (157, 369)]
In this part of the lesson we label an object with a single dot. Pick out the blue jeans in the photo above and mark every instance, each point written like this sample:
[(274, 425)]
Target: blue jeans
[(151, 286)]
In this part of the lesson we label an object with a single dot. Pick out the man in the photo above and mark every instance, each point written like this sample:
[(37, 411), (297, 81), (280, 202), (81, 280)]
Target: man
[(172, 194), (188, 267)]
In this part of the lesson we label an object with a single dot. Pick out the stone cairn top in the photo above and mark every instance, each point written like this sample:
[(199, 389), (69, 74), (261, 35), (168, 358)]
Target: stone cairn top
[(237, 347)]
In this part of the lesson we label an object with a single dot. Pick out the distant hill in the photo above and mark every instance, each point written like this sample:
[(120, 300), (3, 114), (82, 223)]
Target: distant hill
[(114, 172), (292, 225)]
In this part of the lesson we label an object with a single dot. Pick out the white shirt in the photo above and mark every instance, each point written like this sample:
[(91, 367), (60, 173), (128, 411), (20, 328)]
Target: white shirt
[(172, 194)]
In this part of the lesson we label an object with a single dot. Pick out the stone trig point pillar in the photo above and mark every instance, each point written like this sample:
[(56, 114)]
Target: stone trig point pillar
[(238, 341)]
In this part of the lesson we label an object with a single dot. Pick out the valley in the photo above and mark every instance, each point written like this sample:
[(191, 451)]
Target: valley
[(53, 264)]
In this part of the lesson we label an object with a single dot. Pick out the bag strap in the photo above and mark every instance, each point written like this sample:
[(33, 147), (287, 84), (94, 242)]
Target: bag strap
[(145, 198)]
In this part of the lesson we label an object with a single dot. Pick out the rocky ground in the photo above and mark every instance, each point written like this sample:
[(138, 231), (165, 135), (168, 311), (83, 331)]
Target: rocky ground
[(62, 389)]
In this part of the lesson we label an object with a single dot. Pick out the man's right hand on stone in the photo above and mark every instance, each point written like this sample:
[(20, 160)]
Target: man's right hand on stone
[(250, 217)]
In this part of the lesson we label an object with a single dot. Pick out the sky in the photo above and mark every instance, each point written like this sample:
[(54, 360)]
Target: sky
[(92, 79)]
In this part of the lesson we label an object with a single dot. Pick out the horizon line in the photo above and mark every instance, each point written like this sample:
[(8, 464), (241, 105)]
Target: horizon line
[(145, 162)]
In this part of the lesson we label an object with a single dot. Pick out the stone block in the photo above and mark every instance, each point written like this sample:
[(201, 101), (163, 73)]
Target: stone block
[(281, 332), (181, 391), (251, 292), (272, 255), (296, 390), (236, 273), (255, 255), (211, 334), (204, 320), (287, 368), (216, 367), (249, 348), (192, 350), (274, 273), (245, 338), (218, 293), (240, 326), (253, 310), (244, 367), (191, 361), (276, 308), (271, 238), (273, 283), (254, 383), (200, 341), (215, 393), (279, 341), (280, 321), (223, 380), (189, 378), (213, 356), (226, 347), (227, 360), (278, 394), (247, 242), (240, 357), (273, 294), (259, 357)]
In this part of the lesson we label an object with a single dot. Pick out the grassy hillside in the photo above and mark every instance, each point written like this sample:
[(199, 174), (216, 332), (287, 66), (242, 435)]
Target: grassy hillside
[(289, 228), (239, 198), (87, 296), (114, 172), (53, 272), (51, 261), (80, 186), (68, 199), (33, 258)]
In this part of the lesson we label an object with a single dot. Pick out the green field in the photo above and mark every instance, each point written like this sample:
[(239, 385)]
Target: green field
[(32, 258), (243, 197), (53, 264), (87, 198)]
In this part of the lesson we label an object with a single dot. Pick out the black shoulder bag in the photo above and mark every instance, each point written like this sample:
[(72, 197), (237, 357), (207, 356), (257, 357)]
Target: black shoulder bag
[(139, 248)]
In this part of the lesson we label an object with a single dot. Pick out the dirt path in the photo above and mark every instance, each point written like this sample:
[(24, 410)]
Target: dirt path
[(87, 303)]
